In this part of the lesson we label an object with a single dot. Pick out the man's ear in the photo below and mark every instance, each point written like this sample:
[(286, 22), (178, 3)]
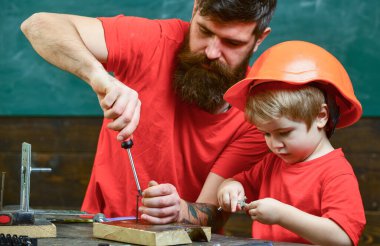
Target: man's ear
[(323, 116), (195, 7), (261, 38)]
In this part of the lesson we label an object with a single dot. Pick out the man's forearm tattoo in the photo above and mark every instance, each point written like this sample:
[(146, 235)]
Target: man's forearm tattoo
[(204, 214)]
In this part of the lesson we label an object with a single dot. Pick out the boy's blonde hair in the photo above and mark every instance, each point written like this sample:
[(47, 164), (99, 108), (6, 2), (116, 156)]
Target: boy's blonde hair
[(298, 103)]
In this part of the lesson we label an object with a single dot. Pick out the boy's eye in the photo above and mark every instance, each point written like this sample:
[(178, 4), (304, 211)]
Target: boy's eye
[(284, 134)]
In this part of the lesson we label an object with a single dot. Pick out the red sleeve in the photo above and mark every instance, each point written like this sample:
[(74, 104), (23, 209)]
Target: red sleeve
[(129, 40), (341, 202), (242, 153)]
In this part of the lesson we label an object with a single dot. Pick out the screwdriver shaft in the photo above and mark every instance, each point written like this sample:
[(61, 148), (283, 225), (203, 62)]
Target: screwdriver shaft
[(134, 172)]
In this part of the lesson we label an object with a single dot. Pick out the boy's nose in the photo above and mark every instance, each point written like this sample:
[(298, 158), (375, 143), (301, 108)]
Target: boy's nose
[(276, 144)]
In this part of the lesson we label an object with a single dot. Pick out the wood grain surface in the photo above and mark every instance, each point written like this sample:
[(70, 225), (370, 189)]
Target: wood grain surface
[(40, 229), (148, 234)]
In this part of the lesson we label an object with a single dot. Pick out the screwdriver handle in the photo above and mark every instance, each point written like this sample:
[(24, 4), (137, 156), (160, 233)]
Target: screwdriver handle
[(127, 144)]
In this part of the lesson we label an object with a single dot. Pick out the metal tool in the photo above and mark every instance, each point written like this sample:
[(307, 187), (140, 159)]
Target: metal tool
[(2, 190), (14, 239), (241, 202), (73, 216), (128, 145), (27, 216), (24, 215), (26, 170), (102, 218), (16, 218)]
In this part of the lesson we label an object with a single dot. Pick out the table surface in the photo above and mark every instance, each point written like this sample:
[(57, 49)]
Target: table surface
[(81, 234)]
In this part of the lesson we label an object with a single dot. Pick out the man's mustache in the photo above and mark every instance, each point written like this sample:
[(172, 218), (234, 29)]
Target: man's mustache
[(200, 61)]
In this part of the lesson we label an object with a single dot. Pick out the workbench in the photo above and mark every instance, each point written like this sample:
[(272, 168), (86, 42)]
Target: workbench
[(81, 234)]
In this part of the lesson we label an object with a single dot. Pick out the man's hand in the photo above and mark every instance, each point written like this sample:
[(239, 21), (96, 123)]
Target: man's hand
[(161, 203), (267, 210), (229, 193), (119, 103), (77, 44)]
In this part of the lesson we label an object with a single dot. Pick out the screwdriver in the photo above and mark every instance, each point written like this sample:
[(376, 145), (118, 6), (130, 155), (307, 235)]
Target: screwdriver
[(128, 145)]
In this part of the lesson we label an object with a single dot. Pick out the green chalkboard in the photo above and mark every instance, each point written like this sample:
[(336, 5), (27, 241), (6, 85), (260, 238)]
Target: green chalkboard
[(350, 29)]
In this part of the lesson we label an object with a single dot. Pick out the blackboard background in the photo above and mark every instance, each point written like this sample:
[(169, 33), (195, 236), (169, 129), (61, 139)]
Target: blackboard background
[(29, 86)]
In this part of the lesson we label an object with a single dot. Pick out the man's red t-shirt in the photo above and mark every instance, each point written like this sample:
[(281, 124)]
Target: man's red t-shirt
[(175, 142)]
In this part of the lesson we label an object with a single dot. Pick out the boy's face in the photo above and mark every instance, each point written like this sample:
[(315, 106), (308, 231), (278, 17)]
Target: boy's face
[(292, 141)]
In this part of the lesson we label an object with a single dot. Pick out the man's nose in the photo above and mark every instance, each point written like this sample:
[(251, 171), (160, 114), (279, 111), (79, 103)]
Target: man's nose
[(213, 51)]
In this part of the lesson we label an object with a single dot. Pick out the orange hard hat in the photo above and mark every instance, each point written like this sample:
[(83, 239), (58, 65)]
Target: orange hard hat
[(299, 63)]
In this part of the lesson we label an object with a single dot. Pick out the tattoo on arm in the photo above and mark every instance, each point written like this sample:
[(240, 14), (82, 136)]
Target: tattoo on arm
[(204, 214)]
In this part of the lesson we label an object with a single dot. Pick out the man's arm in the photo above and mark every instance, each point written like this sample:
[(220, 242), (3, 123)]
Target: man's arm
[(163, 205), (204, 214), (205, 210), (77, 44)]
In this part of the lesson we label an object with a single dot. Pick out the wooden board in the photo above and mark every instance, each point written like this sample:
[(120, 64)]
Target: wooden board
[(41, 229), (147, 234)]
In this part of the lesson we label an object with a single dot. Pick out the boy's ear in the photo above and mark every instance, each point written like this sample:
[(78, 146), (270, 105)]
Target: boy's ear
[(323, 116)]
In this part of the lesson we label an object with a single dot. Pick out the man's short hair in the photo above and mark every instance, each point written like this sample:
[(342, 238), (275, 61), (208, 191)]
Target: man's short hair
[(259, 11)]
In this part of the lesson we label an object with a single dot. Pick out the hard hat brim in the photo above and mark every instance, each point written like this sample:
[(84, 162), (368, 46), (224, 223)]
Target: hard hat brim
[(300, 63), (350, 108)]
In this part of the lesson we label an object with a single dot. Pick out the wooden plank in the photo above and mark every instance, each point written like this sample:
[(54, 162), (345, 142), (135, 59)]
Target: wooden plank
[(362, 137), (82, 234), (64, 187), (371, 234), (50, 134), (65, 144), (147, 234), (41, 229)]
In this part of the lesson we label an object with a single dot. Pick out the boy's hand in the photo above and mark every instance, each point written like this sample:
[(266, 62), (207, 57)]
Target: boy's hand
[(229, 193), (267, 210)]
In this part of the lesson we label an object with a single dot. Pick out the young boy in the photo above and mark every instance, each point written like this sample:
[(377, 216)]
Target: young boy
[(305, 190)]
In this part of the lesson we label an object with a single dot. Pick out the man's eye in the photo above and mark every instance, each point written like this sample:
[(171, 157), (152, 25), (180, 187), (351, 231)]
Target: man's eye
[(233, 43), (205, 31)]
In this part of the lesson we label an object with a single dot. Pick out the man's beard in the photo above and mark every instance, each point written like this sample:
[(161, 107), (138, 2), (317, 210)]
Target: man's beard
[(200, 81)]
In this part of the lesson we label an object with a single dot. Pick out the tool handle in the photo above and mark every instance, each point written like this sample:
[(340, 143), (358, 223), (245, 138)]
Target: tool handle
[(16, 218), (127, 144), (6, 219)]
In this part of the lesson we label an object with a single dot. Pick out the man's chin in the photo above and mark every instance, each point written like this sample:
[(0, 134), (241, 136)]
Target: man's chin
[(209, 109)]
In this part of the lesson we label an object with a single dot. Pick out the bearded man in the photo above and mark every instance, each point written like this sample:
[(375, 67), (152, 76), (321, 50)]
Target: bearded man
[(169, 80)]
